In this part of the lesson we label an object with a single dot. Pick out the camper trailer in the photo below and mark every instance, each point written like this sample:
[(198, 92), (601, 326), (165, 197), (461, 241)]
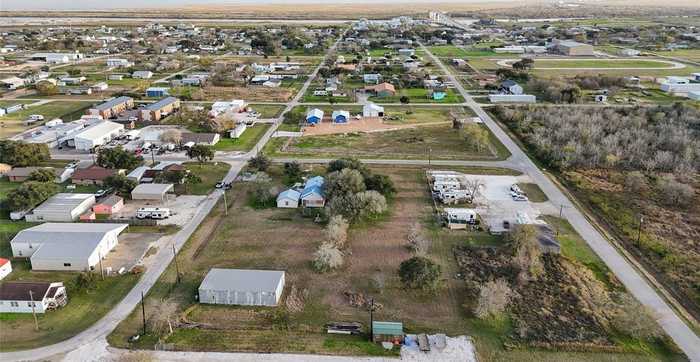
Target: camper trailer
[(152, 213), (454, 196), (446, 185), (458, 218)]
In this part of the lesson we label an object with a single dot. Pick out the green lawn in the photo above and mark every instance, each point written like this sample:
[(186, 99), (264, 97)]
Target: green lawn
[(267, 110), (54, 109), (209, 172), (599, 63), (419, 95), (533, 192), (246, 142)]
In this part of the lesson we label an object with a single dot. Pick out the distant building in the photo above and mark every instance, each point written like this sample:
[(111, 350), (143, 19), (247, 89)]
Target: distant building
[(142, 74), (372, 110), (572, 48), (156, 111), (314, 116), (157, 92), (112, 107)]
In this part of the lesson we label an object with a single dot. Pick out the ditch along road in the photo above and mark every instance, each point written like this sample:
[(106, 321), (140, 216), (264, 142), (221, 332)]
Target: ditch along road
[(92, 341), (684, 337)]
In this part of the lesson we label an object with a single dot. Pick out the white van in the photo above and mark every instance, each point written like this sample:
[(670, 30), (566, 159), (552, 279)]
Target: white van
[(152, 213), (35, 117)]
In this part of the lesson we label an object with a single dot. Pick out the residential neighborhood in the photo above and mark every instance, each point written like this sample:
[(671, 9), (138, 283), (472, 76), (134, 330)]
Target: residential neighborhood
[(374, 181)]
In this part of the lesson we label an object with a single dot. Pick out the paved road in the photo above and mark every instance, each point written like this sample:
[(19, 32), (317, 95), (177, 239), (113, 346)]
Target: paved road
[(674, 326)]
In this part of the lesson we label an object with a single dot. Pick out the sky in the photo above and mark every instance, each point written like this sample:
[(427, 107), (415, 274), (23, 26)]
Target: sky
[(10, 5)]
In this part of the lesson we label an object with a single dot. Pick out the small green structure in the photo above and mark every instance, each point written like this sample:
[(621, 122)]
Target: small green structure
[(387, 332)]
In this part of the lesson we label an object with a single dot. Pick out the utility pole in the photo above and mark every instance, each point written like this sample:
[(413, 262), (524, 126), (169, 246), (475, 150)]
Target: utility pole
[(36, 321), (177, 267), (561, 210), (225, 204), (371, 318), (102, 271), (639, 232), (143, 313), (430, 154), (153, 157)]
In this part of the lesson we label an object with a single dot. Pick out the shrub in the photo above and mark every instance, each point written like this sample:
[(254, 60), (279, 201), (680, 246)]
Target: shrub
[(371, 203), (42, 175), (419, 273), (327, 257), (337, 231), (493, 299), (263, 195), (416, 242), (674, 193), (344, 182), (260, 162), (528, 255), (381, 184), (635, 320)]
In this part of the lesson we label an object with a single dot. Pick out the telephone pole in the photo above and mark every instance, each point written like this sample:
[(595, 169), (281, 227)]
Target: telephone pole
[(102, 271), (36, 321), (177, 267), (143, 313), (371, 319), (225, 204)]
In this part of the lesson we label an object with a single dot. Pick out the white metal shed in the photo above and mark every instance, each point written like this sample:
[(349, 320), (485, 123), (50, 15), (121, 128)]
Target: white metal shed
[(242, 287)]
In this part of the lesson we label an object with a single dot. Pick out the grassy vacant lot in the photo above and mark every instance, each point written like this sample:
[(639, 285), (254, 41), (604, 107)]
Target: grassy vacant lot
[(209, 172), (423, 142), (267, 110), (246, 142), (533, 192), (599, 63), (251, 238), (688, 54), (419, 95), (13, 123), (85, 306), (451, 51)]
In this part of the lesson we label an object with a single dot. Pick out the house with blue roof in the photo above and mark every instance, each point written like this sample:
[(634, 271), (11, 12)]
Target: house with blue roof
[(340, 116), (288, 199), (313, 195), (314, 116)]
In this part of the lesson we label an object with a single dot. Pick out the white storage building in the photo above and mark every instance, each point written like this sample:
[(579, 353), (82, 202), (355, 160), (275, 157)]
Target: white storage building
[(66, 246), (151, 192), (97, 135), (242, 287), (62, 207), (31, 297)]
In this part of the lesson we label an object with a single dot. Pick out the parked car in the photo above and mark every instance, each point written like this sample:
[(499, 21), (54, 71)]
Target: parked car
[(102, 192)]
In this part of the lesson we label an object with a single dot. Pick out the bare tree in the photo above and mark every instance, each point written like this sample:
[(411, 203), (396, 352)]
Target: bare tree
[(474, 187), (635, 319), (528, 255), (416, 242), (493, 298), (675, 193), (327, 257), (337, 231), (171, 136)]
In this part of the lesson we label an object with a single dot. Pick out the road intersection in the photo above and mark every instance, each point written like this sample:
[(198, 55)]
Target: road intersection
[(91, 343)]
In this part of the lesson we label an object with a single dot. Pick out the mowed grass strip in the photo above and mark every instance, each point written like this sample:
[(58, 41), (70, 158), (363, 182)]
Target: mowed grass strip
[(246, 142), (600, 63)]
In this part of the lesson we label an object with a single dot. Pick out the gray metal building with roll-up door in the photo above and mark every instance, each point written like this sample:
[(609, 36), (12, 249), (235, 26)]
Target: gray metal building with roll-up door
[(242, 287)]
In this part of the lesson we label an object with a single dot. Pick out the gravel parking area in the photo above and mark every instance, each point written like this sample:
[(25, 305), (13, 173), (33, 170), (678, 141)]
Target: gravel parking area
[(129, 251), (182, 208)]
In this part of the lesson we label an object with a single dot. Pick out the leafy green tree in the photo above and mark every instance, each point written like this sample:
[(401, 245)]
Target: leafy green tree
[(351, 163), (30, 194), (191, 179), (477, 137), (292, 172), (121, 184), (419, 273), (20, 154), (45, 88), (381, 184), (118, 158), (202, 153), (173, 177), (260, 162), (42, 175), (344, 182)]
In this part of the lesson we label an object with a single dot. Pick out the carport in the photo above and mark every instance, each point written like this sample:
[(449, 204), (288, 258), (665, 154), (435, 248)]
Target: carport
[(153, 192)]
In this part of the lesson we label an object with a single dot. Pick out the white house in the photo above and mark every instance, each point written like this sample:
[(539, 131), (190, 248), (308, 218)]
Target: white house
[(118, 62), (66, 246), (31, 297), (234, 106), (97, 135), (242, 287), (288, 199), (142, 74), (372, 110), (238, 130), (5, 268), (64, 207)]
